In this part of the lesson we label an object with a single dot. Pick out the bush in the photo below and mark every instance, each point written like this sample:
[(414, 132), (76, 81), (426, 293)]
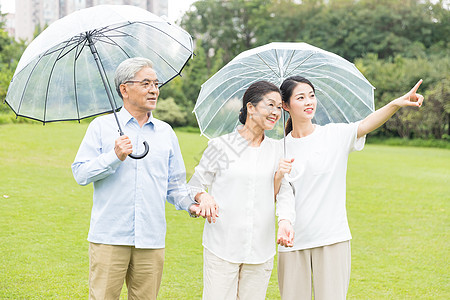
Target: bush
[(168, 111)]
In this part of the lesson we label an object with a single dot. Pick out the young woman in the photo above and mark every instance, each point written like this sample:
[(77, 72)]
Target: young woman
[(319, 260), (238, 170)]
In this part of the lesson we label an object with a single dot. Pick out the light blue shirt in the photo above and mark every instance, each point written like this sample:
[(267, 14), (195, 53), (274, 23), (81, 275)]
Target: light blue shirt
[(129, 196)]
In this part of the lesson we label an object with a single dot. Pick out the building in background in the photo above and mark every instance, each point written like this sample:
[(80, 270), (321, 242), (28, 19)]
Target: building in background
[(10, 24), (33, 14)]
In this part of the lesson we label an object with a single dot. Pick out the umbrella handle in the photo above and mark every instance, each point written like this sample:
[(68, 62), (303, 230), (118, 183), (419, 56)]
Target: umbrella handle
[(139, 156), (291, 179)]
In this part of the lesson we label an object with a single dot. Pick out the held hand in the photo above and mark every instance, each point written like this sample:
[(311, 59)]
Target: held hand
[(411, 98), (284, 167), (208, 207), (123, 147), (285, 235)]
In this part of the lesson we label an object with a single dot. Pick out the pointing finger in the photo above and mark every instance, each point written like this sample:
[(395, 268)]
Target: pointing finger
[(414, 89)]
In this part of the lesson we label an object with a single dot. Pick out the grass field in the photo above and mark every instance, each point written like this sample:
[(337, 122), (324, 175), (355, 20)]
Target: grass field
[(398, 207)]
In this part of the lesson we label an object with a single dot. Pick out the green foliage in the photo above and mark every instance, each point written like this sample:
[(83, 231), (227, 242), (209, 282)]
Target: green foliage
[(10, 52), (228, 25), (393, 43), (168, 111), (394, 77)]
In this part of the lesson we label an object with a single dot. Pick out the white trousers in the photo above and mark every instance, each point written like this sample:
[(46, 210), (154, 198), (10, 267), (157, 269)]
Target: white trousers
[(223, 280), (324, 270)]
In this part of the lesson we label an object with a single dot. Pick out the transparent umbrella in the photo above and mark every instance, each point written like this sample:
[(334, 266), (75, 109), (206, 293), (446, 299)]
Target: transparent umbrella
[(67, 72), (342, 92)]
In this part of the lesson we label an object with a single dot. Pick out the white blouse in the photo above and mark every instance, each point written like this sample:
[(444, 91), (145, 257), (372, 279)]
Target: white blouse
[(240, 178)]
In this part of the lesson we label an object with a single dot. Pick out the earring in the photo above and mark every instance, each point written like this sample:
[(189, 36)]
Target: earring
[(251, 116)]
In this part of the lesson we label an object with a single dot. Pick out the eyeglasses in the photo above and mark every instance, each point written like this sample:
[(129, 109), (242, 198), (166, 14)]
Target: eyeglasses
[(146, 84)]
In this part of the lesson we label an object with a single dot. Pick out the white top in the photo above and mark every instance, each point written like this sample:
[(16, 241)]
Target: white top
[(240, 178), (321, 159)]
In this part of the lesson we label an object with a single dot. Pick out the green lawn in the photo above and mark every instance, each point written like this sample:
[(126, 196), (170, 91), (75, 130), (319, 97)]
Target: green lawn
[(398, 206)]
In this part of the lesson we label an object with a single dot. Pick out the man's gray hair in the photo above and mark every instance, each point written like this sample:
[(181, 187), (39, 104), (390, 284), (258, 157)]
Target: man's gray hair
[(128, 68)]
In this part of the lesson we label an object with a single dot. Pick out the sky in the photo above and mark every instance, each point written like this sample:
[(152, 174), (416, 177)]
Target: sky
[(176, 7)]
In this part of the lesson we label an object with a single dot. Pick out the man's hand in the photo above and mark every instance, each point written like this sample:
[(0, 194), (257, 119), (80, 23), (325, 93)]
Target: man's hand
[(123, 147), (208, 207), (285, 235)]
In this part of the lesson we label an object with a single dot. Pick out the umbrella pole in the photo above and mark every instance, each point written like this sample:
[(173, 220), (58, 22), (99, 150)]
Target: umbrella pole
[(284, 132), (103, 76), (108, 92)]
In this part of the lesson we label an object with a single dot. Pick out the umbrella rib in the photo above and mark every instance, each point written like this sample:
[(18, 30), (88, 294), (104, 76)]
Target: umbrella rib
[(109, 85), (77, 54), (301, 63), (149, 25), (350, 90), (68, 43), (75, 46), (326, 112), (266, 64), (318, 66), (337, 106), (112, 42), (49, 79), (289, 62), (241, 75), (226, 100), (209, 93), (223, 103), (26, 84), (167, 35), (161, 57)]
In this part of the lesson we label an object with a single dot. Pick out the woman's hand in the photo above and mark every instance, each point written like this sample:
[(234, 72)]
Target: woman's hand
[(284, 167), (285, 236), (380, 116), (411, 98), (207, 208)]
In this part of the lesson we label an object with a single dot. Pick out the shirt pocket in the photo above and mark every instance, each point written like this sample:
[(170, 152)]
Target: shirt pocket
[(158, 162), (318, 161)]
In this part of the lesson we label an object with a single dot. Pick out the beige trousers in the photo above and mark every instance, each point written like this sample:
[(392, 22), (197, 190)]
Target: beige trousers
[(110, 265), (324, 270), (223, 280)]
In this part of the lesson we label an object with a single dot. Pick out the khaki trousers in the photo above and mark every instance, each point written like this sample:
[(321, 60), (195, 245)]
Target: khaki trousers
[(223, 280), (324, 270), (110, 265)]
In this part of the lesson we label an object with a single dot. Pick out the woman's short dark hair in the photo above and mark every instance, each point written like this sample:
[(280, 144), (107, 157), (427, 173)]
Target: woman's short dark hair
[(287, 88), (254, 94)]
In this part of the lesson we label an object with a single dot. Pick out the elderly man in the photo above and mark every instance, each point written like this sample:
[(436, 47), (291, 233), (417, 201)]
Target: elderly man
[(127, 229)]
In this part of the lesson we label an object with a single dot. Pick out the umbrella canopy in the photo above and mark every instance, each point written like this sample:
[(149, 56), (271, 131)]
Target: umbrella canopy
[(67, 72), (343, 93)]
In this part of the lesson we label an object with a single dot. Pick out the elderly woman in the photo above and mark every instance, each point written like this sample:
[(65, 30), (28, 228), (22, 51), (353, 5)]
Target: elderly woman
[(238, 169)]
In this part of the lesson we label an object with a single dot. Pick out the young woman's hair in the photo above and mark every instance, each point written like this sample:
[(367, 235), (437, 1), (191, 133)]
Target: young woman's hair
[(254, 94), (287, 87)]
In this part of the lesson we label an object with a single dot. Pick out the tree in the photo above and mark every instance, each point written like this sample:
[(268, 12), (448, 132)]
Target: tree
[(10, 53), (228, 25), (392, 78)]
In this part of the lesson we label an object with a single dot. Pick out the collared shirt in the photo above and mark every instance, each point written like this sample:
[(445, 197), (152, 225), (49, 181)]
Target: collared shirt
[(129, 196), (241, 180)]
